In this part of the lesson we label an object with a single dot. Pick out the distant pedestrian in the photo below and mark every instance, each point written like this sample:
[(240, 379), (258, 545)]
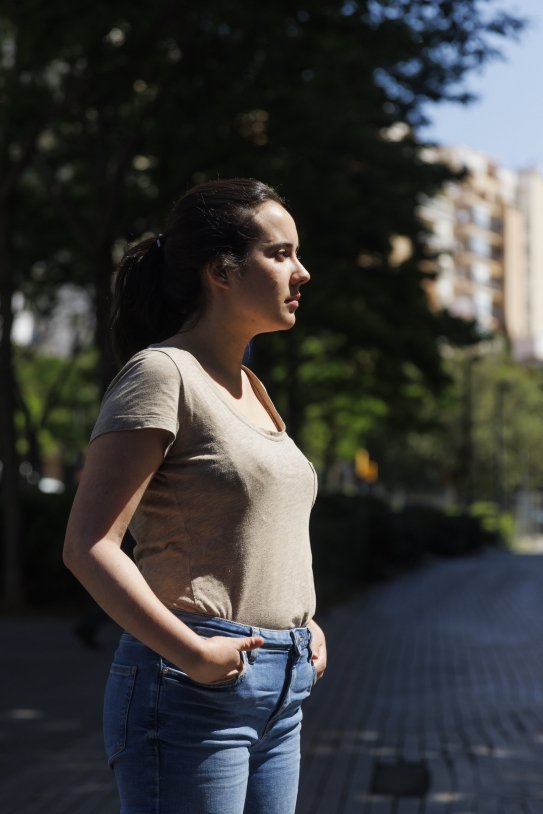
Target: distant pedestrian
[(203, 703)]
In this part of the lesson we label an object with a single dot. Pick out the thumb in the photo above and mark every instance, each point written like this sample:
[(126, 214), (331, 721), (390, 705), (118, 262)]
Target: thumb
[(249, 643)]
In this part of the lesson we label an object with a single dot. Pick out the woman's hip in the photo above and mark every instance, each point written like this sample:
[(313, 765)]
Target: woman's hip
[(149, 694)]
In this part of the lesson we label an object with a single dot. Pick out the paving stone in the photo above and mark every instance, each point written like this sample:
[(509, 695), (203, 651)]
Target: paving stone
[(406, 806)]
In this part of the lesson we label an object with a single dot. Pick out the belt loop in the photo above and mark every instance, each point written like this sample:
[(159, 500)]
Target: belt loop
[(252, 654), (296, 641), (309, 640)]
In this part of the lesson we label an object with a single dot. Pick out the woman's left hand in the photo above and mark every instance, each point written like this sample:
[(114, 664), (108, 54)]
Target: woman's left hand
[(318, 648)]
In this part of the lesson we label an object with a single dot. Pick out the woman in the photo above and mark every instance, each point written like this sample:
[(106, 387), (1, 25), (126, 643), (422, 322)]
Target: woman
[(202, 706)]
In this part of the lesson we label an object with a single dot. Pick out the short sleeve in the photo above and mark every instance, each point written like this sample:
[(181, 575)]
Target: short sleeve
[(144, 395)]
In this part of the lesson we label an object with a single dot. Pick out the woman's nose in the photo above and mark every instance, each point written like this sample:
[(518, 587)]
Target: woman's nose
[(301, 274)]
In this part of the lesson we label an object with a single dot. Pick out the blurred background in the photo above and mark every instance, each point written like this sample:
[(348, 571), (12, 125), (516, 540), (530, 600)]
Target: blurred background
[(413, 379), (406, 138)]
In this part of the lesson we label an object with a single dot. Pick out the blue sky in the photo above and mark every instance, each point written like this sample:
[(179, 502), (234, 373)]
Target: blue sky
[(506, 122)]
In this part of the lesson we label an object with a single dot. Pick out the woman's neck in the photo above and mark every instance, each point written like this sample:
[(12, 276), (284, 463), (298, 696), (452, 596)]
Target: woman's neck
[(220, 352)]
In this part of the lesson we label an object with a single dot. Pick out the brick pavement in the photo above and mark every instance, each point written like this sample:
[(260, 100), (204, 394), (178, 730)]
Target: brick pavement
[(442, 667), (439, 669), (51, 758)]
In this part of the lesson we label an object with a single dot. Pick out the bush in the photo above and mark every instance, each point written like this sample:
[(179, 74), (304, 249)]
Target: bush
[(358, 539), (47, 581)]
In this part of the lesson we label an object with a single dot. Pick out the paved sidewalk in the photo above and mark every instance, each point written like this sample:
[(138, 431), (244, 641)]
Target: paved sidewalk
[(51, 757), (441, 670), (435, 679)]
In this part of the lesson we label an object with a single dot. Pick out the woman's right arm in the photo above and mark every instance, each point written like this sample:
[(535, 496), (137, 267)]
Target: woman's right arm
[(117, 471)]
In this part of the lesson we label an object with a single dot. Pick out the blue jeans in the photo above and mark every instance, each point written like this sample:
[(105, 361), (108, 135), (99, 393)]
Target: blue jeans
[(180, 747)]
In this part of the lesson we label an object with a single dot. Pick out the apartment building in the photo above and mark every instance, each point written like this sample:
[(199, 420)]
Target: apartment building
[(524, 278), (477, 234), (487, 232)]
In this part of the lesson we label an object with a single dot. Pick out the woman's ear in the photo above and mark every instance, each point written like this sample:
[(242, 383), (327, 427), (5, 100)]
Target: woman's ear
[(216, 275)]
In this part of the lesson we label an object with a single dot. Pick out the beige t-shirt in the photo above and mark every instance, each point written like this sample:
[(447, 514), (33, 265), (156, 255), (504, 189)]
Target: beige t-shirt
[(223, 527)]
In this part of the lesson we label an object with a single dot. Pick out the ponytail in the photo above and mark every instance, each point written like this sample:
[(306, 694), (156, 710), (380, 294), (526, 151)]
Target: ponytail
[(142, 312)]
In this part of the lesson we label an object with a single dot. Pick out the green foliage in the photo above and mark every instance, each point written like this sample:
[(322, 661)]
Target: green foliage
[(357, 540), (336, 419), (60, 399), (496, 522), (108, 114), (507, 438), (128, 109), (480, 438)]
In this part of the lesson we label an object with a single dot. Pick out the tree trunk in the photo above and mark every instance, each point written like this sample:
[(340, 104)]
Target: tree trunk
[(34, 455), (107, 364), (12, 577), (465, 466)]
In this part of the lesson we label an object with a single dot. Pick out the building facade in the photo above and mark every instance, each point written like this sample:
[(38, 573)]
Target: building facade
[(525, 283), (469, 221), (487, 236)]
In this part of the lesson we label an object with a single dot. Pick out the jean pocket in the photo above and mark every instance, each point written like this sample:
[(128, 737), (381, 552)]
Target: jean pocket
[(117, 699), (170, 671)]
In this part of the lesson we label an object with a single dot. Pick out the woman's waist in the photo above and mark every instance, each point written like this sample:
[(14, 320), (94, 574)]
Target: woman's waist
[(216, 625), (274, 601), (297, 638)]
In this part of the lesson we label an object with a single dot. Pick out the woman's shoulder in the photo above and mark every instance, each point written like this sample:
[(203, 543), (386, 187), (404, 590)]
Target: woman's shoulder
[(145, 393), (149, 367), (166, 356), (160, 360)]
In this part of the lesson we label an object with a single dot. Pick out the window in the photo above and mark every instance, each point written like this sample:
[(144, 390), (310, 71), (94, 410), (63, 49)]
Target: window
[(478, 245), (480, 273)]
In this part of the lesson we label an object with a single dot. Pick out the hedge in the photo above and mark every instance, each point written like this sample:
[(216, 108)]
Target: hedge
[(355, 540)]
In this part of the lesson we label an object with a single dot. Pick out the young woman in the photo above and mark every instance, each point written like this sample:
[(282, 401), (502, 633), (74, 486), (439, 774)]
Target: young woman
[(202, 706)]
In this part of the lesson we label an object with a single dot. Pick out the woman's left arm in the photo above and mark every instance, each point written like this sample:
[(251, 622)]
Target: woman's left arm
[(318, 648)]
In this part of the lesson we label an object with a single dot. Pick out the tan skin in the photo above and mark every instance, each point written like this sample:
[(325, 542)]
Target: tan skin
[(120, 465)]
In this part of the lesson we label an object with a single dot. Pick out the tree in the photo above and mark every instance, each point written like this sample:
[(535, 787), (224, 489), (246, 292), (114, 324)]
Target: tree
[(318, 116), (57, 401), (28, 102), (115, 112), (479, 441)]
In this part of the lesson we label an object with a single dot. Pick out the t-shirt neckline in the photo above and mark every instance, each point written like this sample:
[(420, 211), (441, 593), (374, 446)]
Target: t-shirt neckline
[(258, 389)]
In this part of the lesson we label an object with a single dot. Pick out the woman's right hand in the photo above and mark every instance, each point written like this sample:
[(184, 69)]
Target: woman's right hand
[(219, 658)]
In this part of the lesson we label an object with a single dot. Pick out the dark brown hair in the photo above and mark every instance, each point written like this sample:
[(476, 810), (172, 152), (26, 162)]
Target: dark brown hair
[(158, 285)]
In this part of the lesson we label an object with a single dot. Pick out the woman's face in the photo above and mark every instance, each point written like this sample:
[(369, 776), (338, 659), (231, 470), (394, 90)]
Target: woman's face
[(268, 289)]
